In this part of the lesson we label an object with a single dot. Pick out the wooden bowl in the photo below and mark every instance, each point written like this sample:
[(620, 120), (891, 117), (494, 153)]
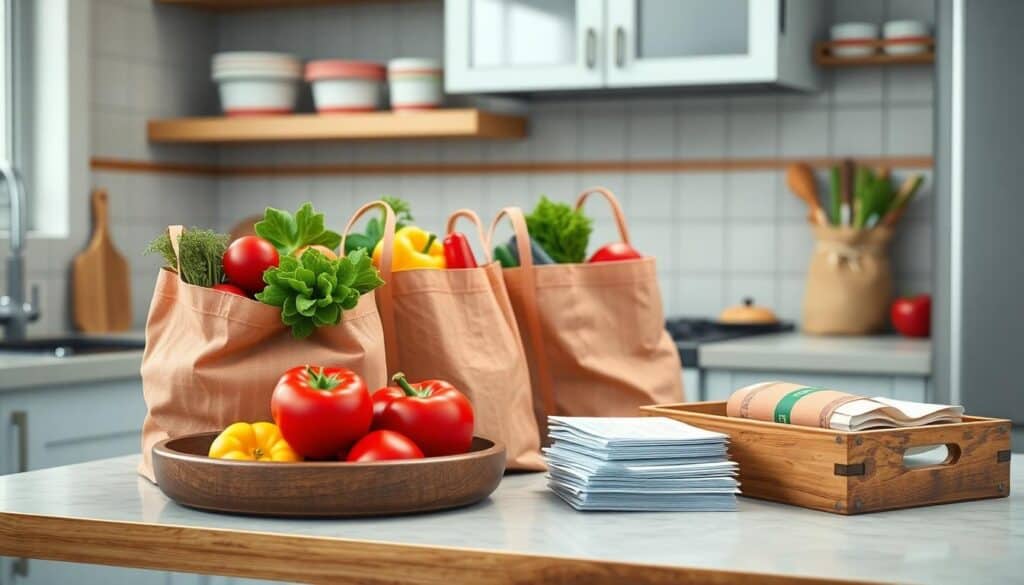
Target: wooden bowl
[(324, 488)]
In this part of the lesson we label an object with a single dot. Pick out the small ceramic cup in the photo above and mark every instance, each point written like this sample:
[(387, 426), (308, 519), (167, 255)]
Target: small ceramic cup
[(851, 39), (906, 37), (415, 84), (345, 86)]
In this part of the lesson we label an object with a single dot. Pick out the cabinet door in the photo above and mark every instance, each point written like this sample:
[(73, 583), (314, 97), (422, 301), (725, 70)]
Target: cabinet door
[(692, 42), (523, 45)]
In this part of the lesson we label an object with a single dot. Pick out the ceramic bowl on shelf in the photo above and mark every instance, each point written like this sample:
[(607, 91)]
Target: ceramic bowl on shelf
[(255, 83), (905, 37), (853, 39), (345, 86), (415, 84)]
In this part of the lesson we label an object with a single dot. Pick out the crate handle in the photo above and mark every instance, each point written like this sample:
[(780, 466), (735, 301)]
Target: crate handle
[(922, 456)]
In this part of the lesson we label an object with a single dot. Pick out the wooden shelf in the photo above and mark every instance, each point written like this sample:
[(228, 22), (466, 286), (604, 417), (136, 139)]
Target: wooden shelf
[(452, 123), (232, 5), (824, 58)]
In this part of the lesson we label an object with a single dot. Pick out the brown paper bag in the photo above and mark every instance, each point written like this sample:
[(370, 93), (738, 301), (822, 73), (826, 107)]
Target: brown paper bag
[(594, 333), (457, 325), (849, 282), (213, 358)]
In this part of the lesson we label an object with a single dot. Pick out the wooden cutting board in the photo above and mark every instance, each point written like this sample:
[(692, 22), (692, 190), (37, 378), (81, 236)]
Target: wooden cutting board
[(100, 284)]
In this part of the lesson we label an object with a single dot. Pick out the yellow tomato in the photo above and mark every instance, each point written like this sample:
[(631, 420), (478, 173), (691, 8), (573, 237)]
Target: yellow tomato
[(259, 441)]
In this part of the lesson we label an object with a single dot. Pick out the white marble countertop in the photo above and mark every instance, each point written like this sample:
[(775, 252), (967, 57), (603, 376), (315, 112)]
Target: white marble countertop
[(25, 370), (881, 354), (970, 542)]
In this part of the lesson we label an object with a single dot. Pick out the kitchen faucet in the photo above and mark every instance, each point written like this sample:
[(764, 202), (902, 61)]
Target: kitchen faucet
[(15, 311)]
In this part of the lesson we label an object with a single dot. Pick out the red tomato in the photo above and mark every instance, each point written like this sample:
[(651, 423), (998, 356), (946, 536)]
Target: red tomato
[(912, 316), (435, 415), (246, 259), (321, 411), (383, 446), (230, 288), (615, 251)]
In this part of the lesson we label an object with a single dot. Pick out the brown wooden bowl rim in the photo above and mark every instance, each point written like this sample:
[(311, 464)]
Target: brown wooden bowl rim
[(163, 450)]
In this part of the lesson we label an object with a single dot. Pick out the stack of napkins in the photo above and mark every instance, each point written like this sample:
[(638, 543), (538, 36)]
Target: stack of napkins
[(639, 464)]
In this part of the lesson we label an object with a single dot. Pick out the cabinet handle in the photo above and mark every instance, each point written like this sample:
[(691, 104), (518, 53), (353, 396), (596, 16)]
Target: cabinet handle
[(591, 48), (620, 46), (19, 419)]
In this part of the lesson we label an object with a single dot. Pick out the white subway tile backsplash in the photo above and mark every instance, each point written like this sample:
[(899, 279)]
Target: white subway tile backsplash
[(651, 135), (700, 246), (699, 294), (750, 246), (754, 133), (912, 248), (650, 195), (857, 86), (909, 130), (701, 133), (554, 134), (796, 242), (922, 10), (804, 132), (791, 297), (602, 133), (910, 85), (700, 195), (859, 11), (751, 194), (857, 132)]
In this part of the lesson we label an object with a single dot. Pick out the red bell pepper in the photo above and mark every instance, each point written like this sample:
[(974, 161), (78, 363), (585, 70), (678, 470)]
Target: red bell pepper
[(457, 252), (433, 413), (321, 411)]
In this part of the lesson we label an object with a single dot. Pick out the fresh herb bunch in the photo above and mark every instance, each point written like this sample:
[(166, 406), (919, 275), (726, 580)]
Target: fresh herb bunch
[(375, 227), (313, 290), (289, 233), (560, 230), (201, 253)]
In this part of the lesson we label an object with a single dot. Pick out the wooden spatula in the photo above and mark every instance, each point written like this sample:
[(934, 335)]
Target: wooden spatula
[(800, 179), (100, 282)]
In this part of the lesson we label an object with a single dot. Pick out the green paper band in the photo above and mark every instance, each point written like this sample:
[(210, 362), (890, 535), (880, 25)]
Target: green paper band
[(785, 406)]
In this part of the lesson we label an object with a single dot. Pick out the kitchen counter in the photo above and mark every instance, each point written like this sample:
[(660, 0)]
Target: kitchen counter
[(22, 369), (101, 512), (883, 354)]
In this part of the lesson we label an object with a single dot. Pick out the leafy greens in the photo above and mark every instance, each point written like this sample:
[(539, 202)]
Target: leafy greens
[(289, 233), (200, 255), (560, 230), (313, 290)]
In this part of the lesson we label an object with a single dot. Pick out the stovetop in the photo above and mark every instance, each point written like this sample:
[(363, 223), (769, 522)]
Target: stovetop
[(690, 332)]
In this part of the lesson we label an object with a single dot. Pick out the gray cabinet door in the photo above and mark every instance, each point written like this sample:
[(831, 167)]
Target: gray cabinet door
[(48, 427)]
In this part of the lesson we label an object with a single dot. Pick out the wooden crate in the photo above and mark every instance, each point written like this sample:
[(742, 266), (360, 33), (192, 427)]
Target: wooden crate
[(853, 473)]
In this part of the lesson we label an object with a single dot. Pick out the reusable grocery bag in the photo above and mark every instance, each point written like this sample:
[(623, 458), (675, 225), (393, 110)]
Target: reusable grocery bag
[(849, 281), (213, 358), (457, 325), (594, 333)]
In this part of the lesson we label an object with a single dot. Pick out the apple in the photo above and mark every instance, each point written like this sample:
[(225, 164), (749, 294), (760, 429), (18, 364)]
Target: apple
[(912, 316)]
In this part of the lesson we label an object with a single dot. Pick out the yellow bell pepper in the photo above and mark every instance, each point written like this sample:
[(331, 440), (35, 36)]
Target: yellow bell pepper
[(259, 441), (414, 248)]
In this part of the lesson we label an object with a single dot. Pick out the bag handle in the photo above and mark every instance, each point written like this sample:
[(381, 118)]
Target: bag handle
[(620, 218), (385, 300), (475, 219), (174, 234), (515, 215)]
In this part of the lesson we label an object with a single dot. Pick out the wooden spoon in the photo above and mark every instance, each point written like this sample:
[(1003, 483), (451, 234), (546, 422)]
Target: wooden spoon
[(800, 179)]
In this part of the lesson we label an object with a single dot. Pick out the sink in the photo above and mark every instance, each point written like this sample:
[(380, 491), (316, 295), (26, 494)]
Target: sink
[(71, 346)]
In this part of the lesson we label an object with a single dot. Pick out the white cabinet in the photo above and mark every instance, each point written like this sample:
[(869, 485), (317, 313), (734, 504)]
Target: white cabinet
[(520, 45), (545, 45)]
